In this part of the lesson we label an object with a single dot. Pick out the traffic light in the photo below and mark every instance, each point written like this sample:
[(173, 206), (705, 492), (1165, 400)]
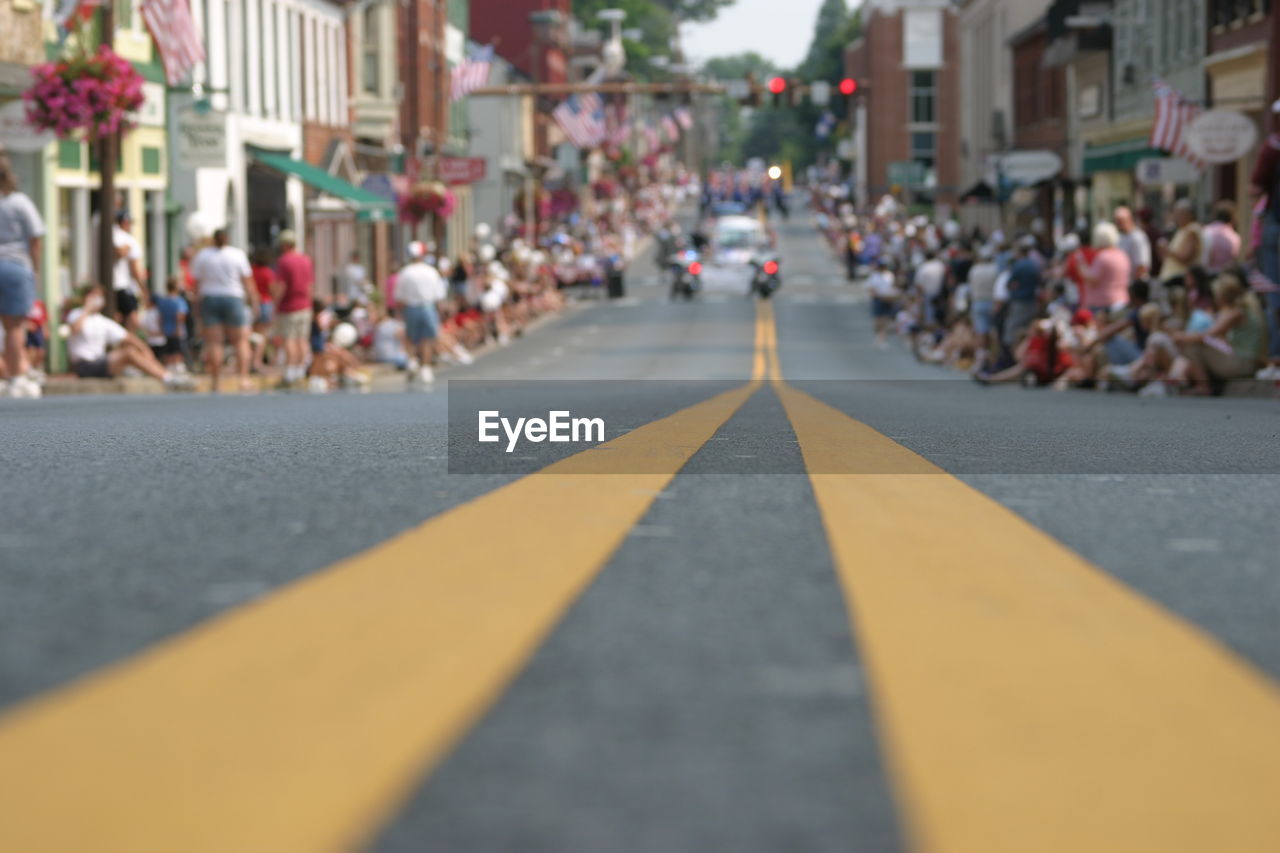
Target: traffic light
[(848, 86), (778, 86)]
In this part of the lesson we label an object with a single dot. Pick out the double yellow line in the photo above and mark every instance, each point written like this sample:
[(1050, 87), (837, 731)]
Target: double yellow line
[(1026, 701)]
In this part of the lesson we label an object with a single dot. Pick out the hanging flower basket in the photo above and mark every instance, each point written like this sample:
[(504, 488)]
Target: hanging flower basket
[(428, 198), (93, 93)]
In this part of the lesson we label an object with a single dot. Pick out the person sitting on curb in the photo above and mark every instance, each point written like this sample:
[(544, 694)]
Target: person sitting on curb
[(100, 348)]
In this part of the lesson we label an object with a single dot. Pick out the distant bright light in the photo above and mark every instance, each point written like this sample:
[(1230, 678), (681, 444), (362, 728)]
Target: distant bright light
[(777, 85), (775, 172), (848, 86)]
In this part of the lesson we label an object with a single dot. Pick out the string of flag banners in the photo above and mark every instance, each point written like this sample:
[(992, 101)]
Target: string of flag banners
[(1174, 114), (588, 122)]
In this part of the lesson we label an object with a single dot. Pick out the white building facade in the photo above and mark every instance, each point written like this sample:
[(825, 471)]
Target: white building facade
[(271, 66)]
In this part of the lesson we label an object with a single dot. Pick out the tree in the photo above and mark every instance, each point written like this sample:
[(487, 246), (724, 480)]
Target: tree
[(694, 10), (825, 60), (737, 67)]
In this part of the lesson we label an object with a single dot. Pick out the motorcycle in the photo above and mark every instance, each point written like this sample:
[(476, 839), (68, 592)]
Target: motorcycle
[(766, 278), (686, 275)]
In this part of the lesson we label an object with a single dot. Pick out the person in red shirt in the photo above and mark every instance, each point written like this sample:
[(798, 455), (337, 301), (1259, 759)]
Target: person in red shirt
[(37, 320), (291, 293), (263, 278)]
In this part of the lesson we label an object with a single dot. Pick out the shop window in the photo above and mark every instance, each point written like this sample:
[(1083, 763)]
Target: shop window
[(372, 60), (152, 162)]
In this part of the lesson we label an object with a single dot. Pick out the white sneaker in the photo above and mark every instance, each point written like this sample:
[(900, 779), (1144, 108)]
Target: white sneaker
[(179, 382), (426, 375), (1270, 372), (37, 376), (463, 356), (23, 388), (318, 385), (1154, 389), (448, 358), (504, 340)]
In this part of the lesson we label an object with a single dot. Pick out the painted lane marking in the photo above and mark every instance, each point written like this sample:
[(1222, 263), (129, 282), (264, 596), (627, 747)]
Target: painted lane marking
[(301, 721)]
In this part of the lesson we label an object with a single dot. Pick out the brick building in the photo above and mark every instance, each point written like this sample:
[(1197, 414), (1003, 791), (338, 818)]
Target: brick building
[(1040, 124), (532, 35), (907, 111)]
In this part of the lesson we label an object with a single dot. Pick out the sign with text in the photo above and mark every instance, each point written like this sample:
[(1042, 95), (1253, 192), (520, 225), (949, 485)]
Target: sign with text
[(1158, 171), (1221, 136), (16, 134), (202, 140), (463, 170), (1029, 167)]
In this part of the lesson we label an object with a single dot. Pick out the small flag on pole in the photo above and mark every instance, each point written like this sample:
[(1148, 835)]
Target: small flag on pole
[(672, 129), (174, 30), (472, 73), (581, 117), (1174, 115)]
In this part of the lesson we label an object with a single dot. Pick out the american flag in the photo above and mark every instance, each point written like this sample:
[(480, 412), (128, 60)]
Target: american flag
[(472, 73), (1174, 115), (621, 126), (177, 39), (685, 118), (581, 117), (672, 129), (652, 138)]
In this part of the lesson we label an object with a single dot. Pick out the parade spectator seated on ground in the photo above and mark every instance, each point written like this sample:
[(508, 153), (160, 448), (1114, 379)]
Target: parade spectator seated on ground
[(100, 348), (1107, 277), (1233, 347)]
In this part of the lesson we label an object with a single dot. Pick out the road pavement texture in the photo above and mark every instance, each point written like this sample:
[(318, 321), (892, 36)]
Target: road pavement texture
[(988, 619)]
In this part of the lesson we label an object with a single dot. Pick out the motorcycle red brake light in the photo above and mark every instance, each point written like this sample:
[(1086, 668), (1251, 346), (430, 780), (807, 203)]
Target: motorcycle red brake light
[(695, 268), (771, 268)]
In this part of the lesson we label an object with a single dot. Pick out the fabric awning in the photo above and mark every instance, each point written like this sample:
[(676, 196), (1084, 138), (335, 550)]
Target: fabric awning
[(369, 207), (1118, 156), (981, 191)]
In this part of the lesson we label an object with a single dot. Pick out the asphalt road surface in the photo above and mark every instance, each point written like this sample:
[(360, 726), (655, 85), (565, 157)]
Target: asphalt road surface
[(810, 596)]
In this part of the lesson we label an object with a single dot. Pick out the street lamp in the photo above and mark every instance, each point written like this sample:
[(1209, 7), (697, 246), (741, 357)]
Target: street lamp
[(613, 53)]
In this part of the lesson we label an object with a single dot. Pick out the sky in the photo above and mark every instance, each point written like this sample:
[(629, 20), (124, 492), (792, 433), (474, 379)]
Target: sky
[(777, 29)]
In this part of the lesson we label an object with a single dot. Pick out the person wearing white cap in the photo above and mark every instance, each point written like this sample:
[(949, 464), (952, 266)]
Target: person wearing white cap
[(496, 291), (419, 287), (1266, 183)]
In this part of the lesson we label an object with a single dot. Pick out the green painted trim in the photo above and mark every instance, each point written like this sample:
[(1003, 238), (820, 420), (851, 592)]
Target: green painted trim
[(70, 153), (152, 72), (1117, 157), (152, 161)]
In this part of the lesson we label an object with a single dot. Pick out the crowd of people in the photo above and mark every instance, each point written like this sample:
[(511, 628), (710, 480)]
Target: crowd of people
[(229, 311), (1182, 307)]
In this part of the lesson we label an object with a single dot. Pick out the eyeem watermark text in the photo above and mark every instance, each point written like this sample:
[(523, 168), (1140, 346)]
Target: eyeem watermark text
[(558, 428)]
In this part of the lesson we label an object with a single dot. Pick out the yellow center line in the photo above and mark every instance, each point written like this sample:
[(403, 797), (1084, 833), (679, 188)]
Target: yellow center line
[(300, 722), (1027, 700)]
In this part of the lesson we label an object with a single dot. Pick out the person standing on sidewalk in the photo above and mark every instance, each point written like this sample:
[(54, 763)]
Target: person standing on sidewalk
[(21, 230), (291, 290), (128, 277), (224, 282), (418, 288), (1266, 184)]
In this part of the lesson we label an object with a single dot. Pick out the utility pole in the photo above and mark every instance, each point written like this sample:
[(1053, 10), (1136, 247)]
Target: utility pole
[(108, 147)]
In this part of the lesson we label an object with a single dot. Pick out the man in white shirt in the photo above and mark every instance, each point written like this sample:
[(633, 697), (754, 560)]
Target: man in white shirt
[(930, 278), (224, 283), (354, 277), (100, 348), (128, 277), (884, 298), (418, 288), (1134, 243)]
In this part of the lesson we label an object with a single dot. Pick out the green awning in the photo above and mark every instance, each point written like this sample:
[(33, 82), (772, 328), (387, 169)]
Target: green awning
[(1120, 156), (369, 207)]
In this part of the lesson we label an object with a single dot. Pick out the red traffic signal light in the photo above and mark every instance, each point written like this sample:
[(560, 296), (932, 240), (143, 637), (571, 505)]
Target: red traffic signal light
[(777, 85), (848, 86)]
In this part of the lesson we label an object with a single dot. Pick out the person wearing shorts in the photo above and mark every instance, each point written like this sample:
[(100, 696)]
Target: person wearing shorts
[(21, 230), (224, 282), (291, 293), (418, 288)]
